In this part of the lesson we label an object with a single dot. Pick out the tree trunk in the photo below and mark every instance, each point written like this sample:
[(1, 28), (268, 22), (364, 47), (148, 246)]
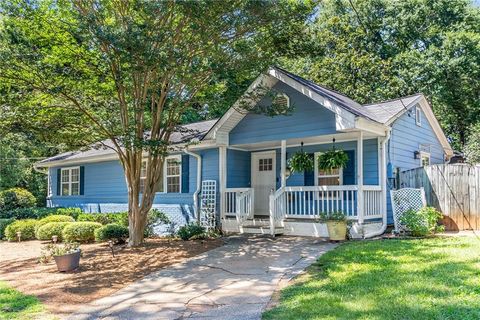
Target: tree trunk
[(136, 226)]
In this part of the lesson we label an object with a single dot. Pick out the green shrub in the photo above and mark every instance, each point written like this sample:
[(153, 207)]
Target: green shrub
[(333, 216), (190, 231), (154, 217), (46, 231), (16, 198), (421, 222), (72, 212), (26, 227), (3, 225), (120, 218), (27, 213), (80, 231), (52, 218), (112, 231)]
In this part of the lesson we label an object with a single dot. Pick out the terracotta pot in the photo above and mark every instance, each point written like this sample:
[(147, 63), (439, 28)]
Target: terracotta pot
[(337, 230), (68, 262)]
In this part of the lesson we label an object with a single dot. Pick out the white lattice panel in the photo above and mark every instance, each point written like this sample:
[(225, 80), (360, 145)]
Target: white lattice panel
[(208, 204), (403, 200)]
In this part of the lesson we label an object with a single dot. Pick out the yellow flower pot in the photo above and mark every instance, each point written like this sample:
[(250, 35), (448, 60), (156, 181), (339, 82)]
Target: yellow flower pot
[(337, 230)]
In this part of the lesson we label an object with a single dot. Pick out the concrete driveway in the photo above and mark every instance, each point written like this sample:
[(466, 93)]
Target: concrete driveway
[(235, 281)]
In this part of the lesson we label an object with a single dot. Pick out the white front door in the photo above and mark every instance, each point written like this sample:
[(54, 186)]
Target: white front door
[(263, 180)]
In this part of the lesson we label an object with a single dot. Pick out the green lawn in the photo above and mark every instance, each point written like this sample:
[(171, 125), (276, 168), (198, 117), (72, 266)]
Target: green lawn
[(16, 305), (437, 278)]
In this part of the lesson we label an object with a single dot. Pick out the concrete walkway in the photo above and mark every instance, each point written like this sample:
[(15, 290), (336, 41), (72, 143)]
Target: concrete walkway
[(235, 281)]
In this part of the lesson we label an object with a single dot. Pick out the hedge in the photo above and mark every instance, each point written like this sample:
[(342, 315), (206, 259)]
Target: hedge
[(47, 231), (38, 213), (112, 231), (15, 198), (80, 231), (120, 218), (3, 225), (26, 227), (52, 218)]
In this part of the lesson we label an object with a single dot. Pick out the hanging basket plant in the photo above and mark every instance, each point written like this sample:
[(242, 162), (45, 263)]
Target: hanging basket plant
[(332, 159), (301, 162)]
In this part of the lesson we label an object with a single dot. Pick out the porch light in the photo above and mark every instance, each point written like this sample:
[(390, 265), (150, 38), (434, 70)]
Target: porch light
[(416, 155)]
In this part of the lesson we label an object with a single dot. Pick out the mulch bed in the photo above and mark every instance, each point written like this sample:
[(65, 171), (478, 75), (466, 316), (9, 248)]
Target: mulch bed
[(99, 274)]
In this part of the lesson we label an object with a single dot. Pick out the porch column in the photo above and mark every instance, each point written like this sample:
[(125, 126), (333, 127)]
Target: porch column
[(383, 175), (360, 177), (222, 177), (283, 164)]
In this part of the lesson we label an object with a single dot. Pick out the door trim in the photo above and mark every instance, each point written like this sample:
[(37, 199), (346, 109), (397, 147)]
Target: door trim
[(253, 165)]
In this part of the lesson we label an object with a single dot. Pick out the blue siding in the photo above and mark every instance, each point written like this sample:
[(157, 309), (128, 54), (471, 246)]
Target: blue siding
[(238, 169), (406, 138), (308, 119)]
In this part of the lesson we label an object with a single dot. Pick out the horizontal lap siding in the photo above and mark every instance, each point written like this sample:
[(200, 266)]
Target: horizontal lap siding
[(308, 119), (238, 169)]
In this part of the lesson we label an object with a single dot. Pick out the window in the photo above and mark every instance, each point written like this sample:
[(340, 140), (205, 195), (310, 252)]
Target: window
[(424, 159), (418, 116), (171, 175), (332, 177), (173, 169), (265, 164), (70, 181)]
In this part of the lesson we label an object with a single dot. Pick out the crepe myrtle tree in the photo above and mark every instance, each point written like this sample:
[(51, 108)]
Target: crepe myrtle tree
[(131, 68)]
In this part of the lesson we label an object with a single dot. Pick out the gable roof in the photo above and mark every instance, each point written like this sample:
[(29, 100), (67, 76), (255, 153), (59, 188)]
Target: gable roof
[(381, 114), (104, 150)]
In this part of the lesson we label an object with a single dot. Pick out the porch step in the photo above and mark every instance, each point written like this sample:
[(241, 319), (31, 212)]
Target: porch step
[(256, 223), (261, 230)]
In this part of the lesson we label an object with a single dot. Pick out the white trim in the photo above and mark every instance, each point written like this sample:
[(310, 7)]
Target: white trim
[(165, 176), (360, 201), (222, 176), (283, 164), (418, 116), (69, 182)]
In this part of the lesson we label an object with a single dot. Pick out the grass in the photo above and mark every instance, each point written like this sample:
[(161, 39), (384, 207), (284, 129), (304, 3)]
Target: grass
[(436, 278), (16, 305)]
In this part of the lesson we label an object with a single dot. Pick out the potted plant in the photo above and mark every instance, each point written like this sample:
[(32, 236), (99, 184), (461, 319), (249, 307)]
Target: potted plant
[(336, 225), (332, 159), (66, 256)]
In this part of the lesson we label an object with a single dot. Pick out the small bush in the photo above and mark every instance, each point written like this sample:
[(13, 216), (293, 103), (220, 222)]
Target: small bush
[(3, 225), (27, 213), (120, 218), (154, 218), (190, 231), (422, 222), (14, 198), (72, 212), (52, 218), (26, 227), (80, 231), (112, 231), (46, 231), (333, 216)]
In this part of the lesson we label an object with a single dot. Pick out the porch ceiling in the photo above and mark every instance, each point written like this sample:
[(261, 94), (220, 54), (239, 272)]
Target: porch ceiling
[(323, 139)]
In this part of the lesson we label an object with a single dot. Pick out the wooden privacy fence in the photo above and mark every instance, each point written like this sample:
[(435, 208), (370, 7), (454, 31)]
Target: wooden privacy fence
[(454, 189)]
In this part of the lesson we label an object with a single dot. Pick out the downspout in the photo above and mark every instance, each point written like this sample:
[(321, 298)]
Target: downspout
[(382, 229), (199, 181)]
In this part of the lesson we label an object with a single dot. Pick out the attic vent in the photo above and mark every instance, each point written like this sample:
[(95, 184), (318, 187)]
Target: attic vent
[(282, 101)]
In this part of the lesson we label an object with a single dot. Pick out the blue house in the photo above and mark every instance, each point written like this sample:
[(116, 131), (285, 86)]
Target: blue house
[(243, 158)]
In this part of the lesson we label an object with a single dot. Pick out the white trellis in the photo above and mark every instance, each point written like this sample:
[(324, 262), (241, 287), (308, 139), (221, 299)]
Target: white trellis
[(403, 200), (208, 204)]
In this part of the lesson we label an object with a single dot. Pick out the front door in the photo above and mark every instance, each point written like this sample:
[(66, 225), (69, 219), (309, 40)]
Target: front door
[(263, 180)]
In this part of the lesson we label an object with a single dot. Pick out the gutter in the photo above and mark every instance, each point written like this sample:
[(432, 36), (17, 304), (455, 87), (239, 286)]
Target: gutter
[(382, 229), (199, 181)]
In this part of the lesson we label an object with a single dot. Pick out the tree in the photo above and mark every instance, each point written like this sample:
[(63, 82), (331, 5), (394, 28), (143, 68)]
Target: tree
[(133, 69), (472, 148), (374, 50)]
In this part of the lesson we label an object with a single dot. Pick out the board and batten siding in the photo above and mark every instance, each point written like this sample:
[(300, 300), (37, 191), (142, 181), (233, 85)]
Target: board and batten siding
[(307, 119)]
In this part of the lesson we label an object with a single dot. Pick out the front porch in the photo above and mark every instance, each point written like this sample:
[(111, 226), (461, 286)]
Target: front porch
[(272, 202)]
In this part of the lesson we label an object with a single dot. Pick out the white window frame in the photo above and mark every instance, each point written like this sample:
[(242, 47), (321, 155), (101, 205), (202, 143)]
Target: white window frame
[(418, 116), (426, 155), (340, 171), (164, 176), (69, 169)]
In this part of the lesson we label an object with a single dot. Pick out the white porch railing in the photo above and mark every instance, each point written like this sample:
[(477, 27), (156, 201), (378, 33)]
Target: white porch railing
[(239, 202), (310, 201), (277, 209)]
